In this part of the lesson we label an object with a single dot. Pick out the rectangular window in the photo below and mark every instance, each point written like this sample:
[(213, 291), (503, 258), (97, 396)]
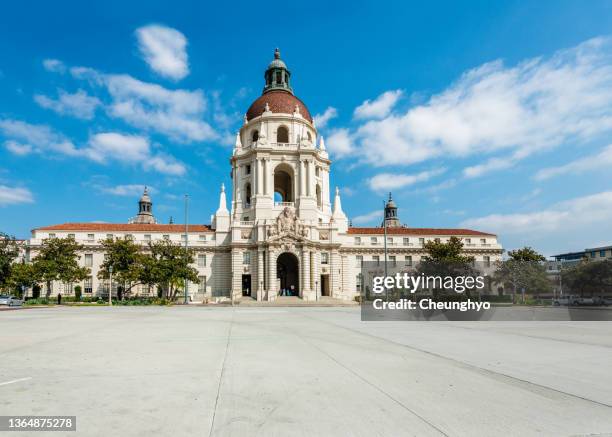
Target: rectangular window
[(109, 236), (392, 260), (129, 237), (357, 240), (468, 241), (246, 258), (71, 236), (593, 254), (406, 241), (88, 259), (248, 169), (359, 260), (487, 261), (91, 237), (483, 241), (324, 258), (374, 240), (202, 260), (51, 235), (602, 253), (358, 283), (437, 240), (390, 240), (408, 260), (147, 237), (88, 286), (202, 284), (166, 237), (184, 237), (421, 241), (202, 237), (376, 259)]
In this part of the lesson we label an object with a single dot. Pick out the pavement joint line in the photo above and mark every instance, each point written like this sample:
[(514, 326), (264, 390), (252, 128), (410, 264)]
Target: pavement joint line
[(537, 337), (229, 336), (16, 380), (374, 386), (467, 365)]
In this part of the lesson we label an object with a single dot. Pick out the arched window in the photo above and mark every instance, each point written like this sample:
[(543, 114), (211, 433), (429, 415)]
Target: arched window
[(283, 183), (282, 135), (318, 196), (308, 136), (247, 195), (255, 135), (278, 77)]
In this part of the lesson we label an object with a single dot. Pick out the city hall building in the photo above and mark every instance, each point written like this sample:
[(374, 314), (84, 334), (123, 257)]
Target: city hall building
[(285, 228)]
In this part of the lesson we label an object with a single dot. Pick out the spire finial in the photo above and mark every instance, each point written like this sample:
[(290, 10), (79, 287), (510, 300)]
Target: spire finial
[(222, 187), (276, 53), (390, 199)]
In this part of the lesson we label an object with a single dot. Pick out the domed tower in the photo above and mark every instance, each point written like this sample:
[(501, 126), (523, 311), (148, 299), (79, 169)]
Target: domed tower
[(391, 218), (276, 163), (145, 210)]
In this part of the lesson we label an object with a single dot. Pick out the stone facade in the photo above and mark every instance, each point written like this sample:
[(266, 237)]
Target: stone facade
[(282, 231)]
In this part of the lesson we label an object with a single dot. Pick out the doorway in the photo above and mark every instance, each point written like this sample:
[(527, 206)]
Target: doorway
[(246, 285), (288, 272), (324, 285)]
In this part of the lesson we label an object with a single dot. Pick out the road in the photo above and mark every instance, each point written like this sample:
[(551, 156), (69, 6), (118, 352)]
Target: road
[(222, 371)]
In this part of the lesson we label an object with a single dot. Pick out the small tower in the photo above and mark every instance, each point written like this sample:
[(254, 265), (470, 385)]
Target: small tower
[(391, 218), (145, 210), (277, 75)]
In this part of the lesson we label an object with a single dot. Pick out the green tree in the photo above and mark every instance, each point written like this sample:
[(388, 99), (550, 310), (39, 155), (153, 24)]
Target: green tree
[(57, 260), (170, 265), (526, 254), (446, 260), (126, 259), (523, 270), (8, 253), (593, 277), (22, 276)]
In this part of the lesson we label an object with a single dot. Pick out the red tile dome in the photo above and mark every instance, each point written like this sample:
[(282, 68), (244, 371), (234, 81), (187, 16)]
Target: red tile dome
[(279, 101)]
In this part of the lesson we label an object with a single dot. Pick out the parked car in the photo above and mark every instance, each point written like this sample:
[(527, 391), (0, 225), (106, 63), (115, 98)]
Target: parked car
[(567, 300), (11, 301)]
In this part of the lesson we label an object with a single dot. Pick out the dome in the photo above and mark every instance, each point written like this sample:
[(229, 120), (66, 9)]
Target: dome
[(277, 63), (279, 101)]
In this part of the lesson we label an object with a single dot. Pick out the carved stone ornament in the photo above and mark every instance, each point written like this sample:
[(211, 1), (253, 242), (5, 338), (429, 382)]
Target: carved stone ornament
[(245, 234), (287, 223), (324, 235)]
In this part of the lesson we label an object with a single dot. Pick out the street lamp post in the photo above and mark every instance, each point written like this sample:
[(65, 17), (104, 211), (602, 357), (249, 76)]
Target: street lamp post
[(385, 245), (186, 243), (110, 286)]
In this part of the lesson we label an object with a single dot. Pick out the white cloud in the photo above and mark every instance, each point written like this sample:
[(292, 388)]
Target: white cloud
[(339, 143), (321, 120), (379, 107), (54, 65), (390, 181), (79, 104), (581, 221), (14, 195), (17, 148), (369, 218), (164, 49), (603, 160), (175, 113), (131, 190), (103, 147), (130, 149), (538, 104)]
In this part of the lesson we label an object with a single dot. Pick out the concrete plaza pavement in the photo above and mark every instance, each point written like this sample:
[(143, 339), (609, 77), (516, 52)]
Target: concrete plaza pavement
[(223, 371)]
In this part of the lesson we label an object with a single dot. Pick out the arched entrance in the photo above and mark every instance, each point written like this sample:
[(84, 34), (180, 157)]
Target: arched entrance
[(288, 272)]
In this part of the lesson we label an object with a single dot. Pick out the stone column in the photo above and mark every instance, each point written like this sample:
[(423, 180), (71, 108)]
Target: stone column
[(260, 274), (266, 176), (271, 275), (302, 178), (305, 280)]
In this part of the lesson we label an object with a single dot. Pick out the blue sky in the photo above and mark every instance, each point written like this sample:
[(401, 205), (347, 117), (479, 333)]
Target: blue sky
[(490, 115)]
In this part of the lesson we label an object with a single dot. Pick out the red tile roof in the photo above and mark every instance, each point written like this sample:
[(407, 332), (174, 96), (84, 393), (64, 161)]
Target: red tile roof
[(416, 231), (123, 227), (278, 101)]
